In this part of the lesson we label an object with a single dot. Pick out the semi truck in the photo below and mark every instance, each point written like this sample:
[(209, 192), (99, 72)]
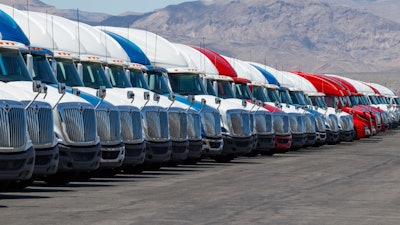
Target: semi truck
[(79, 148)]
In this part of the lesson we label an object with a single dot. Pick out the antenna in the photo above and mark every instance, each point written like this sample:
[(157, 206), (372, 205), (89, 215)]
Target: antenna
[(79, 36), (105, 40), (52, 32), (155, 51), (29, 28)]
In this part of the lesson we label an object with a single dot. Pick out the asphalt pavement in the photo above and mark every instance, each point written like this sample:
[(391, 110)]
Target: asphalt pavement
[(348, 183)]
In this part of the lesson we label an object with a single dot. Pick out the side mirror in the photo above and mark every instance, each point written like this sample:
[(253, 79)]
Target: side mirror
[(203, 102), (191, 99), (156, 97), (38, 87), (146, 95), (101, 92), (217, 101), (130, 95), (254, 101), (171, 97), (244, 102), (76, 91), (276, 103), (61, 88)]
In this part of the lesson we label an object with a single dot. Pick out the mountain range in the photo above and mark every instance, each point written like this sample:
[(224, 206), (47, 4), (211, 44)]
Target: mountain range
[(312, 35)]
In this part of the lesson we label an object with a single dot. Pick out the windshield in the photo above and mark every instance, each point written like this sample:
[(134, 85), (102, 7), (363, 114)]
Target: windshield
[(354, 100), (331, 101), (42, 70), (94, 75), (225, 89), (259, 94), (373, 99), (342, 102), (397, 100), (158, 83), (273, 95), (297, 97), (348, 101), (210, 89), (364, 100), (243, 92), (138, 80), (67, 73), (186, 84), (118, 77), (12, 66), (307, 100), (285, 97)]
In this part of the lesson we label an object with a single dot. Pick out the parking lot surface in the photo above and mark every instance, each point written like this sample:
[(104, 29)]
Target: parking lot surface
[(349, 183)]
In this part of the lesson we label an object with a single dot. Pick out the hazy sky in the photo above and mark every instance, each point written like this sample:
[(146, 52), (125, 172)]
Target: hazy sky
[(113, 7)]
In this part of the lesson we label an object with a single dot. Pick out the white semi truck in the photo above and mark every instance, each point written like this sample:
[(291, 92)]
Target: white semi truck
[(74, 119)]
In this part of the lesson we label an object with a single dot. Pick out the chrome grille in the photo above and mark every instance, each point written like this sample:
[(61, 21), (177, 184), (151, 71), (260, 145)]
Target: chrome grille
[(286, 127), (79, 124), (40, 125), (309, 122), (301, 128), (178, 125), (108, 126), (156, 125), (377, 118), (131, 126), (194, 126), (13, 126), (252, 122), (344, 123), (264, 123), (240, 123), (320, 123), (211, 123), (334, 123), (278, 124)]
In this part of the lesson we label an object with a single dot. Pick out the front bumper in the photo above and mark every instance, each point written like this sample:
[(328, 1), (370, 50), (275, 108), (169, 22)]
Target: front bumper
[(299, 140), (79, 159), (332, 137), (46, 161), (283, 142), (180, 150), (158, 152), (237, 146), (212, 146), (112, 156), (134, 154), (195, 149), (320, 138), (17, 166), (311, 138), (347, 135), (265, 143)]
